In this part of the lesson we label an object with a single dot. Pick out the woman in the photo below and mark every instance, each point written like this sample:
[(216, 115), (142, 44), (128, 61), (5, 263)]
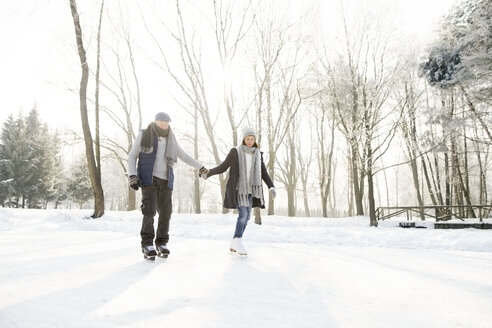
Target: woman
[(244, 190)]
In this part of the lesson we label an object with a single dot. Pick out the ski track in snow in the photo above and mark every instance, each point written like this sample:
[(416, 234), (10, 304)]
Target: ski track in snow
[(57, 270)]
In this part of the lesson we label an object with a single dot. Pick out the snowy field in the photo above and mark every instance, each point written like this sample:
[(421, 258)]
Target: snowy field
[(57, 270)]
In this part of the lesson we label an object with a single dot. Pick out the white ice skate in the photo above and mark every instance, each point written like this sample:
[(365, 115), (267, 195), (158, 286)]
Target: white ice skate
[(237, 248)]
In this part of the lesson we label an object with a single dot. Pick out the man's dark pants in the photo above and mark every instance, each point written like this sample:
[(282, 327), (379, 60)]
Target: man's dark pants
[(157, 197)]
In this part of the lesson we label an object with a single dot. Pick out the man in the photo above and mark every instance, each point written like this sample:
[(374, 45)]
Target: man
[(157, 151)]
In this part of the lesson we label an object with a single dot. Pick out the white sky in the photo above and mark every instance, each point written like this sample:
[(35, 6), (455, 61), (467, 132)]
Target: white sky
[(38, 62)]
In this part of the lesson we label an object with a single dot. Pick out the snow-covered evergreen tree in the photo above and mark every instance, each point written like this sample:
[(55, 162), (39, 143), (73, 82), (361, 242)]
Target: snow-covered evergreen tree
[(56, 190), (6, 172), (45, 152), (18, 157), (30, 162), (35, 141), (464, 52), (462, 59), (468, 29), (78, 183)]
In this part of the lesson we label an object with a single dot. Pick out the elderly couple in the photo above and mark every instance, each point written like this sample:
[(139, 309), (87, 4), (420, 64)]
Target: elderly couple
[(157, 150)]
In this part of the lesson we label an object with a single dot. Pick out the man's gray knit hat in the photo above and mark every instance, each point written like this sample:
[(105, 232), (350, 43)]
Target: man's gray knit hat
[(248, 131), (162, 117)]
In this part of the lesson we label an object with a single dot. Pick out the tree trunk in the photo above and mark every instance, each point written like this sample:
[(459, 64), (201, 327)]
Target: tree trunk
[(132, 199), (473, 109), (196, 190), (409, 127), (429, 185), (322, 166), (333, 199), (271, 172), (307, 212), (370, 184), (372, 205), (483, 179), (466, 184), (257, 213), (438, 182), (97, 143), (293, 173), (464, 188), (329, 181), (350, 194), (324, 206), (358, 187), (271, 152), (91, 161), (291, 203), (448, 184), (413, 165)]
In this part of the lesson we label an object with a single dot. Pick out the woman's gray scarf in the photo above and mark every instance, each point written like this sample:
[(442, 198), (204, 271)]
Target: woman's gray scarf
[(255, 178), (147, 143)]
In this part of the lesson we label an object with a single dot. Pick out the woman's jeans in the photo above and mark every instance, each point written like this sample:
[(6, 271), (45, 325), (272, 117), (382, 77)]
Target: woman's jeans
[(243, 218)]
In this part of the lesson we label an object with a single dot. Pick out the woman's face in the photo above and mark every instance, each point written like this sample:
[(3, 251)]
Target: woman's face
[(249, 141), (162, 124)]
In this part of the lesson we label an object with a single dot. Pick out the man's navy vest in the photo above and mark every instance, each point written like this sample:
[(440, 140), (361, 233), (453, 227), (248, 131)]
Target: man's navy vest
[(145, 169)]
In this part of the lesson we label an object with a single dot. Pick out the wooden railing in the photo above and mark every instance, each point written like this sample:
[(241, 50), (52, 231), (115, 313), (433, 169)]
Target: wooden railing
[(437, 212)]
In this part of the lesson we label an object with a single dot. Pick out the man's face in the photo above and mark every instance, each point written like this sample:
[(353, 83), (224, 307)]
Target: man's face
[(249, 141), (162, 124)]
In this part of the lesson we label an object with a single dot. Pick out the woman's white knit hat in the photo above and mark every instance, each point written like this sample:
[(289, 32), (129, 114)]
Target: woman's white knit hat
[(248, 131)]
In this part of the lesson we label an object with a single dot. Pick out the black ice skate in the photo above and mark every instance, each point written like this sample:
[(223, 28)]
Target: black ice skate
[(162, 251), (149, 252)]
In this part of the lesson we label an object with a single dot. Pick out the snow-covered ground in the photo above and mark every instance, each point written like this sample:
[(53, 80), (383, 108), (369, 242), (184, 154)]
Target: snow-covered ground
[(57, 270)]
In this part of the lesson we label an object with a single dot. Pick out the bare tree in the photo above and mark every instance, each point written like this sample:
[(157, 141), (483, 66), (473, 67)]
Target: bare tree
[(482, 152), (229, 31), (348, 115), (191, 82), (361, 81), (325, 144), (124, 87), (197, 191), (288, 168), (408, 126), (94, 169), (271, 44), (97, 143), (305, 162)]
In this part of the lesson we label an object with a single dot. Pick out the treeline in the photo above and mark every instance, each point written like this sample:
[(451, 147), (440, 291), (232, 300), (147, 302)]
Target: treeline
[(32, 172), (458, 136), (350, 116)]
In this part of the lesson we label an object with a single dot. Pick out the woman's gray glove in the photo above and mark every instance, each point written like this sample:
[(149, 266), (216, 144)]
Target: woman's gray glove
[(273, 192)]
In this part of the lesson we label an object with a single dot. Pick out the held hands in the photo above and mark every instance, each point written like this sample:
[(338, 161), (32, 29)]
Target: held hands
[(203, 172), (273, 192), (133, 182)]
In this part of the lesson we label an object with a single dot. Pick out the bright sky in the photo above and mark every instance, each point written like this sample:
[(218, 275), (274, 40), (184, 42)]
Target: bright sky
[(38, 62)]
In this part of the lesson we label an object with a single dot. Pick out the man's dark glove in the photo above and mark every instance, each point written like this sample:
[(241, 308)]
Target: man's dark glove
[(203, 172), (134, 182)]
